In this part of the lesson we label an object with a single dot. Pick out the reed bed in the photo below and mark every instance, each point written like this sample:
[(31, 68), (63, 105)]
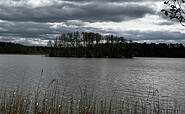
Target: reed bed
[(54, 101)]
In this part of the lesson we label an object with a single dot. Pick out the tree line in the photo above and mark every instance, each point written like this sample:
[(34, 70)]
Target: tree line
[(159, 50), (89, 44), (14, 48)]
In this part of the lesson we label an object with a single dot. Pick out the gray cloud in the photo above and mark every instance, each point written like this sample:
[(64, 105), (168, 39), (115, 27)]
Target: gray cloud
[(29, 32), (155, 35), (40, 32), (110, 0), (25, 29), (165, 23), (86, 12), (75, 23)]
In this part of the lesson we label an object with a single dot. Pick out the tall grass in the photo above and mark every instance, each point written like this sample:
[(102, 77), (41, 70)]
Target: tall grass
[(54, 101)]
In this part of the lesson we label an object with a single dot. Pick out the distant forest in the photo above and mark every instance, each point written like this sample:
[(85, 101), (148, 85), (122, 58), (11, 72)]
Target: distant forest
[(89, 44), (14, 48)]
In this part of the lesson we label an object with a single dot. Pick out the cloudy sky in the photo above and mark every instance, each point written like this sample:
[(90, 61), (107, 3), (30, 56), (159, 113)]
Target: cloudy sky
[(34, 22)]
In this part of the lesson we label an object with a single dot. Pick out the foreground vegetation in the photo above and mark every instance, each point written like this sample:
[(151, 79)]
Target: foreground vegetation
[(54, 101)]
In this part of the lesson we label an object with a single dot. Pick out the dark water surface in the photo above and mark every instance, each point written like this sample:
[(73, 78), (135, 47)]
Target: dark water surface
[(106, 76)]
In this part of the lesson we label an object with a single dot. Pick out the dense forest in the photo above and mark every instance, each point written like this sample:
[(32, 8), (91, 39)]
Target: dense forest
[(159, 50), (14, 48), (88, 44)]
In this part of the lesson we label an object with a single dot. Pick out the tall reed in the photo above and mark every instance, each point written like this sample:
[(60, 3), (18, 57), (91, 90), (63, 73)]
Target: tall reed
[(54, 101)]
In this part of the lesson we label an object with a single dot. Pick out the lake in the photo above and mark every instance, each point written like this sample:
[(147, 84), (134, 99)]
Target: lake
[(137, 76)]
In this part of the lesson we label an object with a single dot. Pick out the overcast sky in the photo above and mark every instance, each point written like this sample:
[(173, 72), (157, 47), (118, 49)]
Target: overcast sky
[(34, 22)]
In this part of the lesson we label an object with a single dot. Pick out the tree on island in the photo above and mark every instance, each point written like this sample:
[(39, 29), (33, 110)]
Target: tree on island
[(89, 44), (175, 10)]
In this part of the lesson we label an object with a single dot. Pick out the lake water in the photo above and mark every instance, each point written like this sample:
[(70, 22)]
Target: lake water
[(106, 76)]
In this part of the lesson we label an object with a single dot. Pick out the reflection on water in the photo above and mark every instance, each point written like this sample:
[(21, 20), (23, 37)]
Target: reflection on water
[(137, 76)]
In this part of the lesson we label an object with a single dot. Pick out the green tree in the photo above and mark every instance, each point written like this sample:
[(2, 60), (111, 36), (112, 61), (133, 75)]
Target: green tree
[(175, 10)]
